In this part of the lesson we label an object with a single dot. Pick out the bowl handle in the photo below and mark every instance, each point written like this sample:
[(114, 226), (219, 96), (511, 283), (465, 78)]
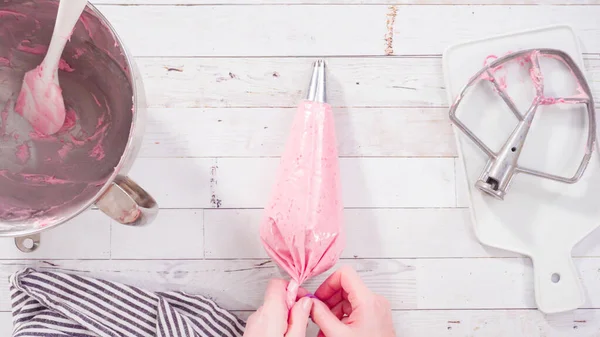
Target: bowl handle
[(128, 203)]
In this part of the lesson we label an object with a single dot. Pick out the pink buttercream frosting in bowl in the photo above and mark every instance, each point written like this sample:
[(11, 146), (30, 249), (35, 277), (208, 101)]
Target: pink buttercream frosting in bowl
[(46, 179)]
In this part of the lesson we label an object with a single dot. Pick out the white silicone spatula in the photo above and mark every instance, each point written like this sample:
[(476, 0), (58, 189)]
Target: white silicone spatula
[(40, 100)]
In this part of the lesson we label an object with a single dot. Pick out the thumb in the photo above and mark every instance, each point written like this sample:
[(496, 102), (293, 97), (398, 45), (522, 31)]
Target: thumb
[(329, 324), (299, 318)]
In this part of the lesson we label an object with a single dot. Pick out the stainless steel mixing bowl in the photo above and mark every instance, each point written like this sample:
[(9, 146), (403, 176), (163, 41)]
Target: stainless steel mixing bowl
[(47, 180)]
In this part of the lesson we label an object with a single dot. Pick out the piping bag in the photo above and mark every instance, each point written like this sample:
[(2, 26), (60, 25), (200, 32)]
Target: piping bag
[(302, 227)]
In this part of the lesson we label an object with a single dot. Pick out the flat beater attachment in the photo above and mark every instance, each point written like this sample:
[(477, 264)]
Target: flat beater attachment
[(502, 165)]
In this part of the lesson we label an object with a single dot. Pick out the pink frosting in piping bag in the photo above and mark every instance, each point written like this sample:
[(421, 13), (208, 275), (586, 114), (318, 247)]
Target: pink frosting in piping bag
[(302, 226)]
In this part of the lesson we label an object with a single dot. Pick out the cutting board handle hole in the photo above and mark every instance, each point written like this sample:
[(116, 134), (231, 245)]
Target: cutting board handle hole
[(555, 278)]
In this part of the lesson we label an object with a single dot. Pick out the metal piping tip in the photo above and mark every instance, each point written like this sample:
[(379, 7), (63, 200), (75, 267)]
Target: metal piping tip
[(316, 89)]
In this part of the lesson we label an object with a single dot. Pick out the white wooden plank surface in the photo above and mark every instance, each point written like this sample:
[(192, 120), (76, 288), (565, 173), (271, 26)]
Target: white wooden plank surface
[(262, 132), (371, 233), (475, 323), (264, 82), (309, 29), (430, 29), (282, 82), (182, 228), (231, 234), (87, 236), (462, 189), (499, 283), (345, 2), (246, 182), (5, 323), (233, 30), (488, 323)]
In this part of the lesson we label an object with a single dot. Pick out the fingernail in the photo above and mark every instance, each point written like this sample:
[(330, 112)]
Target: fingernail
[(310, 296), (306, 304)]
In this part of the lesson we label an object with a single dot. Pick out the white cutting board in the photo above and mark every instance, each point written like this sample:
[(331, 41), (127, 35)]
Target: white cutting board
[(539, 218)]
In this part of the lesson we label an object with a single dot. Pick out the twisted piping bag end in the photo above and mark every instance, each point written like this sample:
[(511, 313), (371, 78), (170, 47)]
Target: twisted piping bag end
[(292, 293), (316, 88)]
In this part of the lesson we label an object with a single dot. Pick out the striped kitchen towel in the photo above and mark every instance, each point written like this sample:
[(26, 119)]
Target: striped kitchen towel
[(58, 304)]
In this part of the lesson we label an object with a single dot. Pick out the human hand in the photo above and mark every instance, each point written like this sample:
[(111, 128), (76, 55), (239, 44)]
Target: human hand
[(274, 319), (350, 309)]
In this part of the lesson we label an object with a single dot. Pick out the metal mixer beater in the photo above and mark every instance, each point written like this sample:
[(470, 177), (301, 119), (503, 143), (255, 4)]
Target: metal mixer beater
[(503, 165)]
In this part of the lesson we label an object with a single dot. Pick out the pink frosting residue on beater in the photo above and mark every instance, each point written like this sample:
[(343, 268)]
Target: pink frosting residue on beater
[(538, 81), (491, 73), (537, 78), (535, 73), (4, 62)]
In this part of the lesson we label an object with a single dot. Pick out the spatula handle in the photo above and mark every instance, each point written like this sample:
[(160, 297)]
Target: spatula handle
[(68, 14), (557, 284)]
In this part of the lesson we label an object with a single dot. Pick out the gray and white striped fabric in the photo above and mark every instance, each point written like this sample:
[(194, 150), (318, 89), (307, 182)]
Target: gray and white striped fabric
[(58, 304)]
